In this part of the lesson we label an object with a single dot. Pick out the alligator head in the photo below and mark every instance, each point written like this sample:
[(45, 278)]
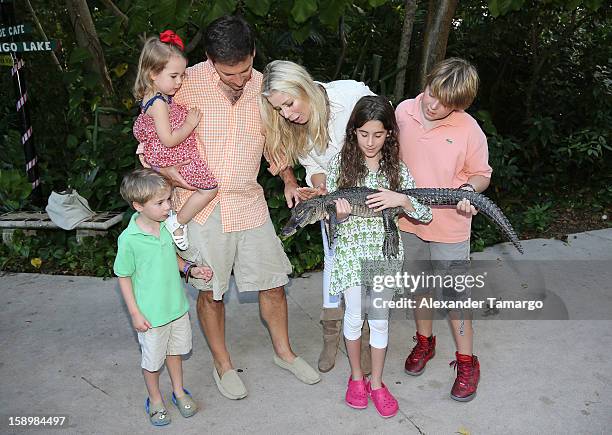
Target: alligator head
[(304, 213)]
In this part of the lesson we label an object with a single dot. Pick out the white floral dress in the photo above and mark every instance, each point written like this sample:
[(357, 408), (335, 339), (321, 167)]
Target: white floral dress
[(361, 239)]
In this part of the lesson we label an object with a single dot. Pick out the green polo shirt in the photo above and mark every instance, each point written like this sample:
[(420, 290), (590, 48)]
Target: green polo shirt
[(151, 264)]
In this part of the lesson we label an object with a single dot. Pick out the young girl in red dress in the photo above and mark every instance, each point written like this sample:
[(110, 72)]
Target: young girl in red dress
[(166, 129)]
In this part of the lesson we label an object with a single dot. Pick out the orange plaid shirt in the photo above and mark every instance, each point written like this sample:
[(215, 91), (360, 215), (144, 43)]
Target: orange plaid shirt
[(230, 141)]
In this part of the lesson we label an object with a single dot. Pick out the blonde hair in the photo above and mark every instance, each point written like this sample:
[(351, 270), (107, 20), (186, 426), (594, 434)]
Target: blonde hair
[(286, 141), (141, 185), (454, 82), (153, 59)]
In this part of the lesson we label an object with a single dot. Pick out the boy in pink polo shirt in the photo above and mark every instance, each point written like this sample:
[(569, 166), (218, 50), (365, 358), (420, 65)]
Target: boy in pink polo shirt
[(444, 147)]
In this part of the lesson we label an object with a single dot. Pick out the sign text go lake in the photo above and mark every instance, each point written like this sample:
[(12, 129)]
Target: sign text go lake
[(24, 46)]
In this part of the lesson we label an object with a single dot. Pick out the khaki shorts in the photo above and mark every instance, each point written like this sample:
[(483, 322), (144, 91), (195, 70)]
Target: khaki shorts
[(173, 338), (256, 256), (436, 258)]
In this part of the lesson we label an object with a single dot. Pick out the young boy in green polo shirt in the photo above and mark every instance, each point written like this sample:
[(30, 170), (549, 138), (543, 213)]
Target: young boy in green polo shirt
[(149, 278)]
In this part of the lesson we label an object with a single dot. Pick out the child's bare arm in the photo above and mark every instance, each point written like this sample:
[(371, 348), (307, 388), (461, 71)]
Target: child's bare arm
[(168, 137), (139, 322), (200, 272)]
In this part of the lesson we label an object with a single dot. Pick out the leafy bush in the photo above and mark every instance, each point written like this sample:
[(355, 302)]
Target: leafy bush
[(14, 190), (584, 148), (504, 154), (304, 249), (544, 103), (538, 216), (58, 252)]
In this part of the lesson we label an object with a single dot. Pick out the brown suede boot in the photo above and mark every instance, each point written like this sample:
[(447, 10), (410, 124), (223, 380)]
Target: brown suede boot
[(366, 358), (331, 319)]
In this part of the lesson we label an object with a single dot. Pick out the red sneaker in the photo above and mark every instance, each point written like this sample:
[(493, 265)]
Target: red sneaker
[(468, 375), (423, 351)]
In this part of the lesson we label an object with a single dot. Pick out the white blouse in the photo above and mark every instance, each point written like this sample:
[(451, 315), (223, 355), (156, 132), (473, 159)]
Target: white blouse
[(342, 95)]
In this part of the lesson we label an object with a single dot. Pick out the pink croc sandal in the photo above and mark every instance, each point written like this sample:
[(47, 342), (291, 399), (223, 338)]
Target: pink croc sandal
[(385, 403), (356, 394)]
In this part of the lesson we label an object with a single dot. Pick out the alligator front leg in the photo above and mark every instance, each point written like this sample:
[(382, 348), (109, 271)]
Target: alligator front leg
[(333, 221), (391, 242)]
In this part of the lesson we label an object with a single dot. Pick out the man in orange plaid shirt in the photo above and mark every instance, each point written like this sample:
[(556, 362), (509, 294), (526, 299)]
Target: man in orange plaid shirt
[(234, 232)]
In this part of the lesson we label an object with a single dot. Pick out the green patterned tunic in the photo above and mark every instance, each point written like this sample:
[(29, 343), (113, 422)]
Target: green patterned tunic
[(360, 239)]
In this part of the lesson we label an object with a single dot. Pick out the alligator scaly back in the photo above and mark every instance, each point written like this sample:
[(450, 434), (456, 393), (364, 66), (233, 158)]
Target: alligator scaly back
[(308, 212), (437, 196)]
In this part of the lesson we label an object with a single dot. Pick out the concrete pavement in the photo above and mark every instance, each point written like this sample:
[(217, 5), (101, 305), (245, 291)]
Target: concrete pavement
[(68, 348)]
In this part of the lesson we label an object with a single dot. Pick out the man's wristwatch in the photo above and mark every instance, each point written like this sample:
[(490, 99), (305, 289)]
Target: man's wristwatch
[(469, 186), (187, 270)]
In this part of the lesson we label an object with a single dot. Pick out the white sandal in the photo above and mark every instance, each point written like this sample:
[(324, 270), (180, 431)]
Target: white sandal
[(172, 224)]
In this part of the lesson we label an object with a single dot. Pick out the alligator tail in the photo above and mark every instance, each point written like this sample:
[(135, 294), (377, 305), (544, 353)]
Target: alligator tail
[(484, 205)]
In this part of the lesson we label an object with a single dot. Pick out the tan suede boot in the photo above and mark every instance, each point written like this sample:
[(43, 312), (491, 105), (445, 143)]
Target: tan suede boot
[(366, 358), (331, 319)]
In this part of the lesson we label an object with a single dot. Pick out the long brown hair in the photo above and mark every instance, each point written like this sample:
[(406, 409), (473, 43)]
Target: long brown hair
[(353, 168)]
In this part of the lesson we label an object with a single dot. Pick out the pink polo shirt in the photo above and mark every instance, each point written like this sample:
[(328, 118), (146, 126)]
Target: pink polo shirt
[(446, 155)]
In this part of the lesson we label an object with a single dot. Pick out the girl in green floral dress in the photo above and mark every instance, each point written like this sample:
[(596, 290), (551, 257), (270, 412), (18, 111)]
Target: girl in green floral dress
[(370, 158)]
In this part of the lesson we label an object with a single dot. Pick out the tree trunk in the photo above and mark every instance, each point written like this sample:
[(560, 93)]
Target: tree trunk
[(439, 18), (361, 59), (116, 11), (87, 38), (43, 34), (342, 37), (404, 50)]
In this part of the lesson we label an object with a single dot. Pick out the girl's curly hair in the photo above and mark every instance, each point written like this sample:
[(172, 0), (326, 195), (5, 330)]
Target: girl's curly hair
[(353, 169)]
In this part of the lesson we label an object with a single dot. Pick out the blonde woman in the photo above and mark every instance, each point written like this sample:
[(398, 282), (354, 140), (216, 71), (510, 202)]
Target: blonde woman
[(304, 121)]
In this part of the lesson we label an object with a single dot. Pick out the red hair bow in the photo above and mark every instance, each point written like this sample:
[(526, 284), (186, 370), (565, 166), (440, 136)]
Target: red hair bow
[(169, 37)]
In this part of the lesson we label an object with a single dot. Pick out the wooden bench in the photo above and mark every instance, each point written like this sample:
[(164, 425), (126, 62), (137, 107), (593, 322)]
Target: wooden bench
[(30, 222)]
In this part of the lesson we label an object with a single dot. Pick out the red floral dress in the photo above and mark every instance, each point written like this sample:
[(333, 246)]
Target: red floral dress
[(196, 173)]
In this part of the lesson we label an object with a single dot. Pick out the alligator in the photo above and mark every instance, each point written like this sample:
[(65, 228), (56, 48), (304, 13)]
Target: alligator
[(315, 209)]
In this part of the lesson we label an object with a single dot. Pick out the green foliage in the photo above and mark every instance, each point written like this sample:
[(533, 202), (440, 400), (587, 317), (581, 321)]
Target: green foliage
[(484, 233), (584, 147), (215, 9), (538, 216), (303, 9), (58, 252), (545, 101), (259, 7), (503, 7), (304, 248), (14, 190), (504, 154), (331, 11), (376, 3)]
